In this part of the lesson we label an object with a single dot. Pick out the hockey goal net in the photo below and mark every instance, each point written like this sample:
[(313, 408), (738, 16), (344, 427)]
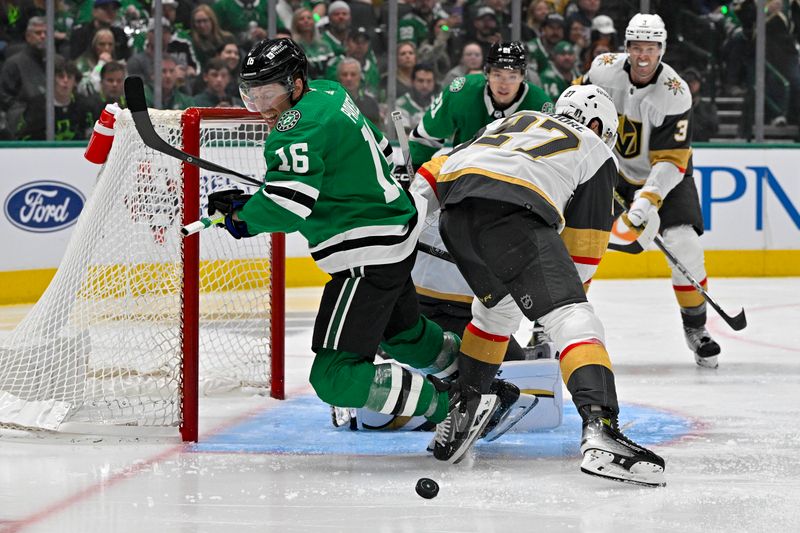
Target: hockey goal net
[(138, 321)]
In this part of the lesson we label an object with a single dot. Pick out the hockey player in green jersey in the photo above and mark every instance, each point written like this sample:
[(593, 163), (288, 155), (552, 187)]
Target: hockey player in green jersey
[(471, 102), (466, 106), (329, 177), (655, 155)]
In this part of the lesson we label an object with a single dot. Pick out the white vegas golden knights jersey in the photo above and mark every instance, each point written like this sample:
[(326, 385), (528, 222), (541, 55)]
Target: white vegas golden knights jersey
[(437, 278), (655, 119), (549, 164)]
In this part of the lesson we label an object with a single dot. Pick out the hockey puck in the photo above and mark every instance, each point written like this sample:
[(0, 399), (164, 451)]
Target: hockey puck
[(427, 488)]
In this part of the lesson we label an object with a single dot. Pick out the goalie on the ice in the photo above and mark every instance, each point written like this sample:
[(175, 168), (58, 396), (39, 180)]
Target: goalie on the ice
[(519, 202)]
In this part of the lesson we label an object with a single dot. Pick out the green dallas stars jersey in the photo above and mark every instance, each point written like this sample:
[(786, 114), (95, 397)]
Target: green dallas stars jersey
[(463, 108), (329, 176)]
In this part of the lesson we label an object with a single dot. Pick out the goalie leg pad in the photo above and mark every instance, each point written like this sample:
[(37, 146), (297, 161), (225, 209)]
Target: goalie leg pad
[(540, 378)]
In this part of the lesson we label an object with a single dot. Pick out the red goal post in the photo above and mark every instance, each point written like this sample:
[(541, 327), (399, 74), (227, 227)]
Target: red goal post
[(191, 121)]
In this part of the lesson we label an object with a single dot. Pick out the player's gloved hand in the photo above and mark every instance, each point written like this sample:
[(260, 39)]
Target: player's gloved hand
[(639, 211), (645, 234), (237, 228), (228, 202)]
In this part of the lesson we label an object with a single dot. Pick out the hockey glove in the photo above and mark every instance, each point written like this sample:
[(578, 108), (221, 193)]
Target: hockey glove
[(642, 236), (228, 202), (643, 204), (237, 228)]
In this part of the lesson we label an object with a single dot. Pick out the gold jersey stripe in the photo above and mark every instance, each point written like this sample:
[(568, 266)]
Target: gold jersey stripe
[(434, 166), (677, 156), (452, 176), (585, 242), (488, 351), (444, 295), (584, 355)]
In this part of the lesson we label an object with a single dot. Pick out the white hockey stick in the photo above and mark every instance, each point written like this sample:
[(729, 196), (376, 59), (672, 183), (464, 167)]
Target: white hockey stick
[(200, 225), (402, 138)]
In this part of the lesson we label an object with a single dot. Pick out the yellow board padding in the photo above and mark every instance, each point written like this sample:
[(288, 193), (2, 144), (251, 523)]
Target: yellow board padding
[(27, 286), (583, 355), (719, 263)]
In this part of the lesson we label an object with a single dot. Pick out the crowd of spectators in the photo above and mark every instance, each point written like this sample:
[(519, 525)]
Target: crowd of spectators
[(99, 42)]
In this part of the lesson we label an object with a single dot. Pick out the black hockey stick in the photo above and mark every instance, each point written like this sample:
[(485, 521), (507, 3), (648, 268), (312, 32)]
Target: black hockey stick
[(435, 252), (737, 322), (134, 94)]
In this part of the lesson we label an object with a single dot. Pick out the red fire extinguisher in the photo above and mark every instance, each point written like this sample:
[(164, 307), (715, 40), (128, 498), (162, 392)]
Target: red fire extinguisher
[(102, 136)]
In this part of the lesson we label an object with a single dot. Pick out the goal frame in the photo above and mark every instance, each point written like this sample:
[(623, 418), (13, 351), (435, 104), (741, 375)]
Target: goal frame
[(190, 294)]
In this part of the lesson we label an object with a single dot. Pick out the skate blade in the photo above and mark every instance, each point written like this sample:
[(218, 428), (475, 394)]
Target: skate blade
[(706, 362), (487, 405), (515, 413), (601, 464)]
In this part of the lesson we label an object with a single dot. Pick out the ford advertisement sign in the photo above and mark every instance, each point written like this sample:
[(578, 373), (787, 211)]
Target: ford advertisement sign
[(44, 206)]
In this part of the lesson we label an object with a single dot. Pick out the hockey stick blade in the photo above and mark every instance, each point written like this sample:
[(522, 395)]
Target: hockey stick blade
[(737, 323), (134, 95)]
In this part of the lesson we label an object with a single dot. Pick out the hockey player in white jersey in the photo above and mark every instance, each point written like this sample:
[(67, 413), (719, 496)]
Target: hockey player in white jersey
[(655, 156), (527, 193)]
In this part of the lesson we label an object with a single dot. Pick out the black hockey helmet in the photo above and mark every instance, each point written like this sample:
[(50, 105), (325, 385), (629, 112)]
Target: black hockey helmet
[(274, 60), (509, 55)]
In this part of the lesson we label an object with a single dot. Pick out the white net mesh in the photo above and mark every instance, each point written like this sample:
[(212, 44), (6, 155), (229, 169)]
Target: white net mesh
[(103, 346)]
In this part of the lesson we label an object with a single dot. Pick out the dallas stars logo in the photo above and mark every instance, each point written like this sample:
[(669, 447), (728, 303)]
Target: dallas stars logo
[(674, 85), (457, 84), (288, 120), (606, 59)]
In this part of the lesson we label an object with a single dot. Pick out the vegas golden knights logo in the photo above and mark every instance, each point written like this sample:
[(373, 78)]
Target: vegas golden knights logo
[(629, 137)]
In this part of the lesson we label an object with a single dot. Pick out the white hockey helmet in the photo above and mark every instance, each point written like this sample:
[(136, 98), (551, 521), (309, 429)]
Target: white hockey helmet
[(646, 27), (587, 102)]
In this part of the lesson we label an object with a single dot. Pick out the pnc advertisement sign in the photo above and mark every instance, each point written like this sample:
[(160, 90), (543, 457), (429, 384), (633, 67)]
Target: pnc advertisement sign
[(750, 198)]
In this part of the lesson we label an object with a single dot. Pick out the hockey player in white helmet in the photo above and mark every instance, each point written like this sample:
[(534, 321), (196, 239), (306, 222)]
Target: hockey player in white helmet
[(655, 156), (517, 201)]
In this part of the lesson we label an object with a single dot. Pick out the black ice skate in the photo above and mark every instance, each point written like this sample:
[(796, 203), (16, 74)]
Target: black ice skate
[(704, 347), (609, 454), (468, 415), (512, 407)]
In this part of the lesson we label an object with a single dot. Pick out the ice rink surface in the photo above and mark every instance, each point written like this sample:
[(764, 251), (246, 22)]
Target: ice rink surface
[(730, 437)]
